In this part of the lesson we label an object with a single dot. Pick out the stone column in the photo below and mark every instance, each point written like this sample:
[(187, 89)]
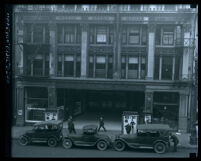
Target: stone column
[(183, 106), (52, 61), (52, 97), (151, 50), (117, 49), (84, 48), (20, 106), (19, 56)]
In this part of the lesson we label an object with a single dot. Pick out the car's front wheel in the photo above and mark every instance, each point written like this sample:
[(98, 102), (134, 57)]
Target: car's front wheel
[(102, 145), (23, 140), (52, 142), (159, 148), (67, 143), (119, 145)]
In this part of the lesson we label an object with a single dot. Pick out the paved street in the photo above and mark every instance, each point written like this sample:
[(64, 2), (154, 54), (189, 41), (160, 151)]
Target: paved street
[(42, 150)]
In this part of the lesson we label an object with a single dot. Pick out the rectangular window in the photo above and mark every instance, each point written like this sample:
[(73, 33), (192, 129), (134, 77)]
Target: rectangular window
[(69, 34), (101, 36), (123, 67), (133, 67), (38, 66), (167, 68), (178, 35), (60, 34), (46, 65), (68, 66), (91, 66), (124, 36), (156, 68), (134, 35), (100, 67), (111, 35), (110, 67), (59, 66), (168, 36), (28, 31), (92, 35), (38, 33), (78, 66), (158, 35), (144, 35), (143, 67), (177, 67)]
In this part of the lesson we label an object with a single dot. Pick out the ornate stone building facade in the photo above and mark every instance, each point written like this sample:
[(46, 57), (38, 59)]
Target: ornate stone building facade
[(105, 57)]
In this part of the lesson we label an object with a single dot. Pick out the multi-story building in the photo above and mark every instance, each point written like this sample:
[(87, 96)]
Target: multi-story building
[(105, 57)]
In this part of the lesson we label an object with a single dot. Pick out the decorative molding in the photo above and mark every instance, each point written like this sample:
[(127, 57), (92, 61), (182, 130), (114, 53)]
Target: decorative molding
[(69, 49), (100, 49)]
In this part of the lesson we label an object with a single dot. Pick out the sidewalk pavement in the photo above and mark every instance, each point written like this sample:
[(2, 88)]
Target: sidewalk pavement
[(113, 128)]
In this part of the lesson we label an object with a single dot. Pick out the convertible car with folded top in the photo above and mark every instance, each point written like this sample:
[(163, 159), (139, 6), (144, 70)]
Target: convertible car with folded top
[(88, 137)]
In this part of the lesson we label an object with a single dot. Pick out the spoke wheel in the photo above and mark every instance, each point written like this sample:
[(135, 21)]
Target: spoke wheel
[(52, 142), (119, 145), (23, 140), (102, 145), (67, 143), (159, 148)]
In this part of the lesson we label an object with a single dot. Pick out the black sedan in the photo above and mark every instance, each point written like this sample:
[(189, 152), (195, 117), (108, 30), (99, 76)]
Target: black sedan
[(88, 137)]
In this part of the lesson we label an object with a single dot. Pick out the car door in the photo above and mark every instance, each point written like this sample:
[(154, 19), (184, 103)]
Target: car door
[(89, 139), (40, 134)]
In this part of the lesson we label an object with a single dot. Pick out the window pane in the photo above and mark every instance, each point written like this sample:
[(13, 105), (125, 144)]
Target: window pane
[(60, 37), (101, 35), (167, 68), (69, 66), (28, 33), (133, 67), (156, 68), (38, 33), (78, 66), (177, 68), (158, 35), (144, 35), (110, 67), (38, 67)]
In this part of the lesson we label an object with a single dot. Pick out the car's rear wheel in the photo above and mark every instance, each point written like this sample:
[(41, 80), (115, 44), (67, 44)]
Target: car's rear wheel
[(102, 145), (67, 143), (160, 148), (119, 145), (52, 142), (23, 140)]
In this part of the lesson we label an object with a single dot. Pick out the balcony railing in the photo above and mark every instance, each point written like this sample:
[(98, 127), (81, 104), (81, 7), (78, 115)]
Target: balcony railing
[(105, 8)]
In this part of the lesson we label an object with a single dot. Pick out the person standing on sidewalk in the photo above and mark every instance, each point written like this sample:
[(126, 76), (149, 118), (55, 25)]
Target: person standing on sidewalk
[(71, 127), (175, 141), (101, 124)]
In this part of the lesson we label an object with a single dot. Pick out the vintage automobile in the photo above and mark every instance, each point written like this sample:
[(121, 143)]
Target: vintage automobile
[(45, 131), (88, 137), (155, 136)]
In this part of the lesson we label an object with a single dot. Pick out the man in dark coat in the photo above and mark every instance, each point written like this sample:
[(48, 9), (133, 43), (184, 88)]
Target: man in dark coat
[(71, 127), (101, 124), (175, 141)]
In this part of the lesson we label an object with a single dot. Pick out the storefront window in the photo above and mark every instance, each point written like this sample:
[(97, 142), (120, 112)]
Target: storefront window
[(36, 101)]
